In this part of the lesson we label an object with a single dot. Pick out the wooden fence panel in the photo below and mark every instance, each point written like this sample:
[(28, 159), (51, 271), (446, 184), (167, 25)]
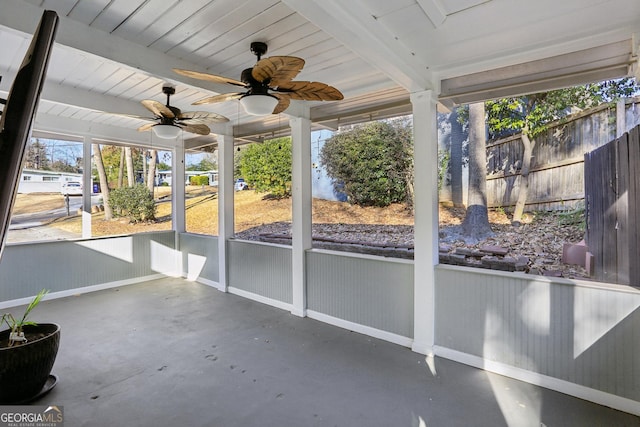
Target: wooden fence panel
[(556, 176), (612, 188), (633, 201)]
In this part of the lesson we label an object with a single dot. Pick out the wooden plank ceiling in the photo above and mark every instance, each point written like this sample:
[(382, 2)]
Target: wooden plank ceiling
[(111, 54)]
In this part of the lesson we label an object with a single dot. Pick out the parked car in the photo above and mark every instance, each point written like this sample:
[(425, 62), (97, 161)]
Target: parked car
[(71, 188), (241, 185)]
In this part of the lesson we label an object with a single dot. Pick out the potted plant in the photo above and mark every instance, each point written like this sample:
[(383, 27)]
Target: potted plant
[(27, 353)]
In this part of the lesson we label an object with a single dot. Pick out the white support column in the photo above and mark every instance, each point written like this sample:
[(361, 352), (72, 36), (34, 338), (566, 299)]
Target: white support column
[(87, 185), (178, 191), (301, 194), (426, 218), (225, 205), (178, 203)]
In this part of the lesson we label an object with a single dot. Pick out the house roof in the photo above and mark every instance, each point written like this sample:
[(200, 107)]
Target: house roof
[(111, 54)]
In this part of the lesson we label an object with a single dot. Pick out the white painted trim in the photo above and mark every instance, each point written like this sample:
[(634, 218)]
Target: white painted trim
[(566, 387), (207, 282), (370, 257), (83, 290), (255, 242), (259, 298), (612, 287), (362, 329)]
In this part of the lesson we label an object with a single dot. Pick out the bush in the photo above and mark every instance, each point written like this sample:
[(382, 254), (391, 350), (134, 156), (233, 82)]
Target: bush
[(372, 162), (266, 167), (135, 202), (199, 180)]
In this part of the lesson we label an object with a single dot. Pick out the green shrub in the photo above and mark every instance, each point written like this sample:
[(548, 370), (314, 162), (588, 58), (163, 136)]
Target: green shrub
[(266, 167), (199, 180), (135, 202), (372, 163)]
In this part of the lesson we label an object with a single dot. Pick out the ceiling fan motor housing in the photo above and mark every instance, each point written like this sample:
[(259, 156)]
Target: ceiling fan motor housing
[(255, 87)]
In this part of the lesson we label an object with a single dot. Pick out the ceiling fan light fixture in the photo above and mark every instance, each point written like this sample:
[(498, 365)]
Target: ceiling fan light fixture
[(166, 131), (259, 105)]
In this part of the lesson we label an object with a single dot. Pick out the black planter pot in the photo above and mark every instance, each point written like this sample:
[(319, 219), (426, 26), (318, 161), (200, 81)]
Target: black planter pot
[(25, 369)]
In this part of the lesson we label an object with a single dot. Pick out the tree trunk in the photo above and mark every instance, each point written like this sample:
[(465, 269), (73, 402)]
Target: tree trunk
[(131, 178), (476, 220), (455, 161), (151, 174), (524, 177), (104, 185), (144, 167), (121, 168)]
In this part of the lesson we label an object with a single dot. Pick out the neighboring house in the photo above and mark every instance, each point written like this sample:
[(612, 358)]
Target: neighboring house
[(164, 176), (41, 181)]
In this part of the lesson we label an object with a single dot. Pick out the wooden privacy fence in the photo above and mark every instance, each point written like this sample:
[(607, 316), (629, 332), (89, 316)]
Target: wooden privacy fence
[(612, 188), (556, 178)]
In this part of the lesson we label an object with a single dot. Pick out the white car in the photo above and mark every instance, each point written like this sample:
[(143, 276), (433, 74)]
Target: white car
[(71, 188), (241, 185)]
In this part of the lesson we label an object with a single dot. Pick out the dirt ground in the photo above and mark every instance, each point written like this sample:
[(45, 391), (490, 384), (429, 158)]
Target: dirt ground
[(540, 237)]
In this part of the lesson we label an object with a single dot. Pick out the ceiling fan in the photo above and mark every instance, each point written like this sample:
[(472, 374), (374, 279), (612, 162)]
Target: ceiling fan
[(269, 84), (167, 120)]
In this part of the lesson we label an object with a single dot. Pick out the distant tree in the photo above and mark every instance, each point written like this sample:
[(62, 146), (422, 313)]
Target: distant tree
[(63, 166), (161, 166), (266, 166), (372, 163), (36, 156), (203, 165), (111, 157), (131, 176), (121, 169), (161, 163), (104, 185), (151, 173), (207, 163)]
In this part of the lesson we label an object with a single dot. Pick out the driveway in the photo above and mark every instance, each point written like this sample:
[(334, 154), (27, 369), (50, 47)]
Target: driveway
[(33, 226)]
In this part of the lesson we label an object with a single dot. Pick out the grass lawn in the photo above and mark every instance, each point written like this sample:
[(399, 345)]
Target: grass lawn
[(251, 209)]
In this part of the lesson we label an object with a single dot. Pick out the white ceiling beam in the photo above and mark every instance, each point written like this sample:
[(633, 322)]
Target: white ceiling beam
[(434, 11), (350, 24), (67, 95), (24, 17), (590, 65), (50, 124)]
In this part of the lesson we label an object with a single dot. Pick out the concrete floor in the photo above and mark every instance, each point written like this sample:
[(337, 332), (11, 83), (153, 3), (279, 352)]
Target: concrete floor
[(176, 353)]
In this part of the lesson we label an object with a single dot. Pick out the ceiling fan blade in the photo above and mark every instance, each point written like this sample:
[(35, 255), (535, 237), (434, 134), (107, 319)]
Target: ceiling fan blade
[(158, 108), (278, 69), (209, 77), (283, 102), (146, 127), (133, 116), (219, 98), (310, 91), (196, 128), (201, 117)]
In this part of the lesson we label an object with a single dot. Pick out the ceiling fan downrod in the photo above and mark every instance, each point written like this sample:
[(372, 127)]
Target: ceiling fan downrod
[(168, 90)]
